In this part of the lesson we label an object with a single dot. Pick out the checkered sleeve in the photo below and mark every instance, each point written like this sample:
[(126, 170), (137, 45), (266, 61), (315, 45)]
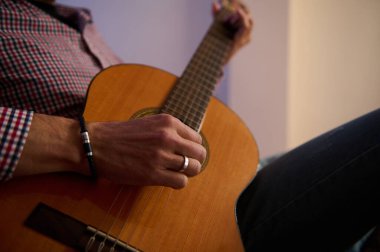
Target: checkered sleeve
[(14, 128)]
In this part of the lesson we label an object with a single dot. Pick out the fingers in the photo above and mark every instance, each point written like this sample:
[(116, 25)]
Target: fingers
[(189, 145), (179, 140), (240, 22), (174, 177), (215, 8), (194, 168), (178, 164), (166, 121), (185, 141), (188, 133), (246, 18), (171, 179), (244, 24)]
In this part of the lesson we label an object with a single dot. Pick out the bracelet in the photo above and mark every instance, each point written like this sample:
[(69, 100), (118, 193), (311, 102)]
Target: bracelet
[(87, 147)]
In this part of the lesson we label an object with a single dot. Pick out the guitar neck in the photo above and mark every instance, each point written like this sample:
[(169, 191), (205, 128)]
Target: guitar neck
[(191, 94)]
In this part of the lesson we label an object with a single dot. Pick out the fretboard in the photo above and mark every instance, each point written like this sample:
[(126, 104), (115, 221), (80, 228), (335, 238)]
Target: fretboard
[(191, 94)]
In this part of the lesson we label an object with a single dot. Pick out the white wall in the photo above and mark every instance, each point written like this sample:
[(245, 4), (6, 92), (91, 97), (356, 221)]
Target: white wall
[(156, 33), (312, 65), (258, 76), (334, 64)]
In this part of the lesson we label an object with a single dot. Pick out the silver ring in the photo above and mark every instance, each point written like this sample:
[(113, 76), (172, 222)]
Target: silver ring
[(185, 163)]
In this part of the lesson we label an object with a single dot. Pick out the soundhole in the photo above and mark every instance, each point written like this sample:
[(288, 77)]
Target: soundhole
[(155, 111)]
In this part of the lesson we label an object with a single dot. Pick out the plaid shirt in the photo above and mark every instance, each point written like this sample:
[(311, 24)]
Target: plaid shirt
[(48, 56)]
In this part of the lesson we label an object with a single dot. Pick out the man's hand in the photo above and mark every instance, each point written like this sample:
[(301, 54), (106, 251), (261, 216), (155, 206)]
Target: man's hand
[(242, 21), (147, 151)]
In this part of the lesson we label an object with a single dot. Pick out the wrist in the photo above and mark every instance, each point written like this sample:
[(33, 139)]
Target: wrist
[(87, 147), (53, 145)]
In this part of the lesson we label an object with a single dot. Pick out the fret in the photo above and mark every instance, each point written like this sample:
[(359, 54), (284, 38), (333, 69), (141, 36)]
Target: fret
[(207, 74), (194, 120), (191, 94), (196, 103), (190, 79), (182, 94), (190, 108)]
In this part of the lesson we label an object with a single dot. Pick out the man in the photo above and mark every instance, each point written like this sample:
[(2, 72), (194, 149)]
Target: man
[(321, 196), (53, 98)]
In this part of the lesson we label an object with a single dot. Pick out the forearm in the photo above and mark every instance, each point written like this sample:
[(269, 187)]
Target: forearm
[(53, 145), (137, 152)]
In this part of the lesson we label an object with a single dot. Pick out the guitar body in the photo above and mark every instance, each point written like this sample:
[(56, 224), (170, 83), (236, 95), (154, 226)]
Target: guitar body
[(200, 217)]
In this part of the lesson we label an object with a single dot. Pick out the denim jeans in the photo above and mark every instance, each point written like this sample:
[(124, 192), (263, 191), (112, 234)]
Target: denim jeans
[(321, 196)]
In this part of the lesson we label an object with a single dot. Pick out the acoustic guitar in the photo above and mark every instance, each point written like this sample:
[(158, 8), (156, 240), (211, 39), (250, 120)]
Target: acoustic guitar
[(68, 212)]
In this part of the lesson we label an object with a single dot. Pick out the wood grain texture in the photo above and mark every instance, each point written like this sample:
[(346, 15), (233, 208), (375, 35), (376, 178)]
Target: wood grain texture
[(200, 217)]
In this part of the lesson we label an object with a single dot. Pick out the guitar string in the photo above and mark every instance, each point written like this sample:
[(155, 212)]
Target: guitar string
[(184, 86), (102, 244), (145, 206), (216, 39), (122, 209), (209, 59), (208, 55), (92, 239), (121, 231)]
